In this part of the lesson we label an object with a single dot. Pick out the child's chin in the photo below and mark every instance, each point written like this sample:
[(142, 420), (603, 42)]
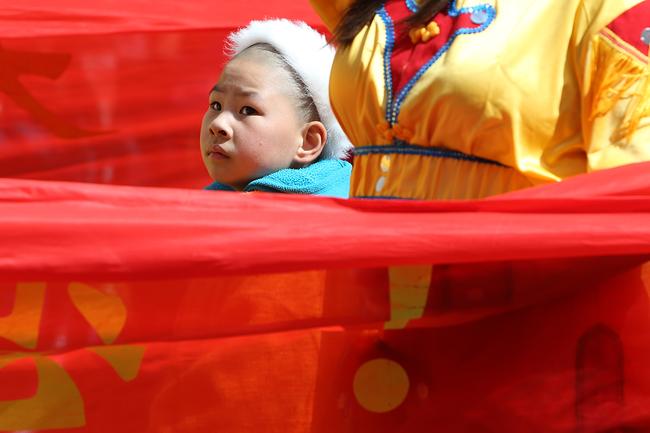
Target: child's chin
[(233, 183)]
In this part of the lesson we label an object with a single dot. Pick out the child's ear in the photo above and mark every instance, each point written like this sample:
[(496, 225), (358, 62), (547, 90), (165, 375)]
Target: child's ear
[(314, 136)]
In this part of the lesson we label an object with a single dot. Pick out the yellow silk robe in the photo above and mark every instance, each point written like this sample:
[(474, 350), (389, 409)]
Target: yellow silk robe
[(544, 92)]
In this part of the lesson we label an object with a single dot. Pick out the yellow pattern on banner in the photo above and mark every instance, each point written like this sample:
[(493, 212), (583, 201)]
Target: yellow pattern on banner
[(21, 325), (409, 287), (57, 402)]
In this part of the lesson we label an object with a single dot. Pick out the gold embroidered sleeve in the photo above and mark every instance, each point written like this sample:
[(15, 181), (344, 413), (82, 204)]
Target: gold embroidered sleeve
[(615, 92)]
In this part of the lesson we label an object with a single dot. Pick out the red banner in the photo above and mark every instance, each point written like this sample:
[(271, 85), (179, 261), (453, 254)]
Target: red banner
[(141, 309)]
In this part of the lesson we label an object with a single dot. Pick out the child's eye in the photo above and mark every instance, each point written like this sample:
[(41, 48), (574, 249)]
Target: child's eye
[(248, 111), (216, 106)]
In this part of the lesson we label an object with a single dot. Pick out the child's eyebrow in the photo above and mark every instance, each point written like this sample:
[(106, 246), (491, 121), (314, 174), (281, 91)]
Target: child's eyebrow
[(238, 92)]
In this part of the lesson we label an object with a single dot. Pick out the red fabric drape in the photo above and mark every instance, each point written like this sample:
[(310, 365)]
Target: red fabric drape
[(144, 309), (114, 92), (153, 229)]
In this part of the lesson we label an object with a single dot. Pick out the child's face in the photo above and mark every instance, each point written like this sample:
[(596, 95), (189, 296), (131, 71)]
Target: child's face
[(251, 127)]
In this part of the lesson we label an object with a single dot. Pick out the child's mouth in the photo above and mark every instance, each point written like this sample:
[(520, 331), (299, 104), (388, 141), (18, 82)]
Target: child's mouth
[(217, 153)]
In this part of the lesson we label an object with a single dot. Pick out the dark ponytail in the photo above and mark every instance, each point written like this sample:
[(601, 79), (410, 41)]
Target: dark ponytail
[(361, 12)]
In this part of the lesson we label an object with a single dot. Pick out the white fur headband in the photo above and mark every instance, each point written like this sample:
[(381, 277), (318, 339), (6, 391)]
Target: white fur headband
[(308, 53)]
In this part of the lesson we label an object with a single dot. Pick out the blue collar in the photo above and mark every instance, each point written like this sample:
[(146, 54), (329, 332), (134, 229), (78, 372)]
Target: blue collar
[(328, 177)]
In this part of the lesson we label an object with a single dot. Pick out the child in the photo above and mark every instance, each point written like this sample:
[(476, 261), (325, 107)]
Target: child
[(269, 126)]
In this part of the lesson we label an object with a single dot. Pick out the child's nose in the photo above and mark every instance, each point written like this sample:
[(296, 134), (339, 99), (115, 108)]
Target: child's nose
[(220, 127)]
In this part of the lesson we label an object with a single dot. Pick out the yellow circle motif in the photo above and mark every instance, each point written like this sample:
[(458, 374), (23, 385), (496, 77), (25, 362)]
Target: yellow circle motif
[(380, 385)]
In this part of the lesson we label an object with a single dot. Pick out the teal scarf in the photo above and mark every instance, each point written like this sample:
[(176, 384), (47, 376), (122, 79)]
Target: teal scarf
[(328, 177)]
